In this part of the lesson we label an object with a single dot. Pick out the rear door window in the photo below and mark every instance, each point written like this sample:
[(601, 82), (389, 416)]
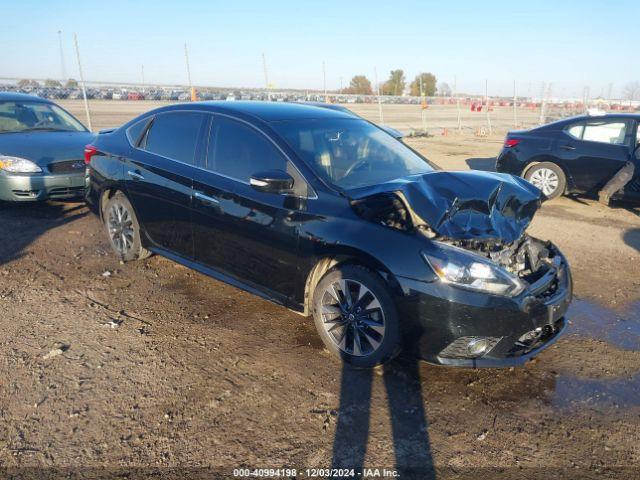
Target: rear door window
[(237, 150), (175, 135), (613, 133), (134, 132), (575, 130)]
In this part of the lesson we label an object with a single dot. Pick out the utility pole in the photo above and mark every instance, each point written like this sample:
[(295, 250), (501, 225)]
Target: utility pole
[(84, 90), (486, 96), (186, 59), (455, 89), (541, 120), (587, 94), (423, 106), (63, 70), (324, 81), (515, 107), (266, 76), (375, 74), (142, 73)]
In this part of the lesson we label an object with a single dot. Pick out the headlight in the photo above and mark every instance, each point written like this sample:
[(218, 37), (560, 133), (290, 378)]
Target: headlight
[(467, 270), (18, 165)]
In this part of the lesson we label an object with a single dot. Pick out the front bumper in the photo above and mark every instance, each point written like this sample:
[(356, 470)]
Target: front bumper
[(436, 315), (34, 188)]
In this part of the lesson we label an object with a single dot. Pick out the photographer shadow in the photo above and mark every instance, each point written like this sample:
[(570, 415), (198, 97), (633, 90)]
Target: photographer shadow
[(408, 420)]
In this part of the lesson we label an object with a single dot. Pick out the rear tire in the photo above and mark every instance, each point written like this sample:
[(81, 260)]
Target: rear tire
[(548, 177), (123, 229), (356, 316)]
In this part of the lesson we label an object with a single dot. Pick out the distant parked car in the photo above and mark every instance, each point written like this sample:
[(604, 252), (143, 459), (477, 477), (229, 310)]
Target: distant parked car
[(41, 150), (575, 155)]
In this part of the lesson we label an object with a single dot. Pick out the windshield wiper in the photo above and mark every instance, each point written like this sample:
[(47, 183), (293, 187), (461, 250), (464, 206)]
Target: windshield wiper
[(45, 129)]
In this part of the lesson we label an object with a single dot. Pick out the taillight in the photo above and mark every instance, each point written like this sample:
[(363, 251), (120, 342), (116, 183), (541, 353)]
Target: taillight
[(511, 142), (89, 151)]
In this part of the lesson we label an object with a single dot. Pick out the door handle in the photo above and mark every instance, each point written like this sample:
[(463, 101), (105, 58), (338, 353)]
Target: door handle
[(568, 147), (206, 198), (135, 175)]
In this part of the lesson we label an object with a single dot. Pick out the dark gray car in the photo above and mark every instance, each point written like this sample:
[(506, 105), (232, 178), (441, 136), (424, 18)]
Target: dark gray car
[(41, 150)]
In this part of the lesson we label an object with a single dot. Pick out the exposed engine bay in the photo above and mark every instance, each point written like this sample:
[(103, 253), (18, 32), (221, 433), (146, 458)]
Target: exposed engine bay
[(482, 212), (528, 258)]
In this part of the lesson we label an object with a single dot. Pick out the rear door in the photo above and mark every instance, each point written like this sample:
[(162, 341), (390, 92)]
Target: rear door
[(593, 150), (159, 179), (249, 234)]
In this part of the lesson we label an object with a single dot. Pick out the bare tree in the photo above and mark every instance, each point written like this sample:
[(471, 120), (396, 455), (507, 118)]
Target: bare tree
[(631, 91), (444, 89)]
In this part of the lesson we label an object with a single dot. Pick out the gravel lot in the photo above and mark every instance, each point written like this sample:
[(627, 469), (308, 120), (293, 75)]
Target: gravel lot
[(149, 367)]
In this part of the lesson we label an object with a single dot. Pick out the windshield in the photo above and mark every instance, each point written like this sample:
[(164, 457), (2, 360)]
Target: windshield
[(350, 153), (31, 116)]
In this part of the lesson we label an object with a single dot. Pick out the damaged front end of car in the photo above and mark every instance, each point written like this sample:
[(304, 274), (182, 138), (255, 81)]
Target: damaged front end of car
[(498, 295)]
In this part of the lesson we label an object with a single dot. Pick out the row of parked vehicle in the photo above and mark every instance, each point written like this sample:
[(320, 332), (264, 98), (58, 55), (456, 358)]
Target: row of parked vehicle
[(319, 210)]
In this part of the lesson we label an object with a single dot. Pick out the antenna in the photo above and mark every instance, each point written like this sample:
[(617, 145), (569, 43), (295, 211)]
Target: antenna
[(84, 90), (63, 70)]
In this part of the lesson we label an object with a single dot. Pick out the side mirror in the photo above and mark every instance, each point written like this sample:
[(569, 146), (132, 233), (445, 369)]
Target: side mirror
[(272, 181)]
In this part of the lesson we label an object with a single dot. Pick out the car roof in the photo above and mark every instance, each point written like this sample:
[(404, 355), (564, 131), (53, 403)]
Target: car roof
[(582, 118), (21, 97), (270, 111), (635, 116)]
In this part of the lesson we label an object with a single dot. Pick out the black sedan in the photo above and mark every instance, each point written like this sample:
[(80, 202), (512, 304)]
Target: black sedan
[(331, 216), (575, 155), (41, 148)]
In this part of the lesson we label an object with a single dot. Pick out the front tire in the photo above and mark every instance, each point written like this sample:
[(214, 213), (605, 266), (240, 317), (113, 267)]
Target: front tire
[(123, 229), (356, 317), (548, 177)]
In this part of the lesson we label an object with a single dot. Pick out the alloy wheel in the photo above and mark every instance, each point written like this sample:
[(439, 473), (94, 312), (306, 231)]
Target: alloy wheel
[(352, 317), (546, 180), (120, 226)]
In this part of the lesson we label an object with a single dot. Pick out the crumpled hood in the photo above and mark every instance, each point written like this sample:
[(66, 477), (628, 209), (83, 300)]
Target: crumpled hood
[(45, 147), (465, 205)]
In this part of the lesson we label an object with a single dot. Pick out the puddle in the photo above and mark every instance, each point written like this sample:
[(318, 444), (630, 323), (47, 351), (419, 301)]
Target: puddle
[(616, 392), (621, 329)]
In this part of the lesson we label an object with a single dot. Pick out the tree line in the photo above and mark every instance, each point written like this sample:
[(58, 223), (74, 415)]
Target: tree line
[(49, 83), (424, 83)]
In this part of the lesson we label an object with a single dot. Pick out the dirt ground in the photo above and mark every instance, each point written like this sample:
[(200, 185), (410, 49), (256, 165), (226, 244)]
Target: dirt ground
[(149, 368)]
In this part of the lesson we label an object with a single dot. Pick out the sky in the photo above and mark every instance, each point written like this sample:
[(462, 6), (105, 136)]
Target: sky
[(570, 44)]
